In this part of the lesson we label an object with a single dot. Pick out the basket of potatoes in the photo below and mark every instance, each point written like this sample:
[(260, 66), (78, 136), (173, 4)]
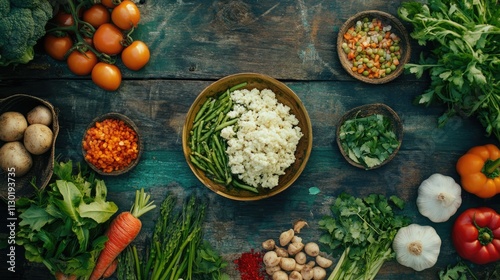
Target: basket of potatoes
[(28, 131)]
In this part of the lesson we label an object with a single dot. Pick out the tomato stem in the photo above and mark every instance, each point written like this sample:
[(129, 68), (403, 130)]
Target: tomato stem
[(86, 29)]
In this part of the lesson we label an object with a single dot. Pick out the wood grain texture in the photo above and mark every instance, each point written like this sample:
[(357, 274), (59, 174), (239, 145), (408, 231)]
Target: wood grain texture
[(194, 43)]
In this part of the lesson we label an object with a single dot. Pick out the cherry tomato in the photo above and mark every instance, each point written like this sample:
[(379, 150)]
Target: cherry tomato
[(136, 55), (107, 76), (64, 19), (57, 47), (81, 63), (108, 3), (108, 39), (97, 15), (126, 15)]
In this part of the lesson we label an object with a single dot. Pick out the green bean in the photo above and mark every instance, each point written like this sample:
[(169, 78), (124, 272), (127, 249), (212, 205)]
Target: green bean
[(244, 186), (198, 135), (221, 151), (218, 167), (201, 111), (207, 134), (227, 123), (198, 164), (238, 86), (203, 157)]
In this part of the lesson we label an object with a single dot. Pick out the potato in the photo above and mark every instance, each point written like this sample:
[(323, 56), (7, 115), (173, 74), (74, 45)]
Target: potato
[(38, 138), (40, 114), (15, 158), (12, 126)]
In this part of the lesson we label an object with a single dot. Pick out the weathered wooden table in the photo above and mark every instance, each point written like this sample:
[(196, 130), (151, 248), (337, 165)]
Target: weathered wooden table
[(194, 43)]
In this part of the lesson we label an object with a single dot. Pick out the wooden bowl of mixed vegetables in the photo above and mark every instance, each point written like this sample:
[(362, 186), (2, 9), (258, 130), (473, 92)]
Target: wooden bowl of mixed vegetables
[(369, 136), (111, 144), (373, 47), (223, 163)]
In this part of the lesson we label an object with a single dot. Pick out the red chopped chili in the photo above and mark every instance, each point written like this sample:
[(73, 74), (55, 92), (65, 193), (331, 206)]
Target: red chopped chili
[(250, 266)]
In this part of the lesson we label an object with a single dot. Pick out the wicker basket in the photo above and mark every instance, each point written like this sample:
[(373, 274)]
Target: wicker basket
[(43, 165)]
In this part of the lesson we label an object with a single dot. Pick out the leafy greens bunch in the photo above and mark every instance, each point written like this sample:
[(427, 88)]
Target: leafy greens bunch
[(464, 60), (364, 229), (63, 225)]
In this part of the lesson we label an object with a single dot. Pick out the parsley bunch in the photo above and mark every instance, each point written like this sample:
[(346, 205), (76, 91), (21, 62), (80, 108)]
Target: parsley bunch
[(463, 37), (364, 229)]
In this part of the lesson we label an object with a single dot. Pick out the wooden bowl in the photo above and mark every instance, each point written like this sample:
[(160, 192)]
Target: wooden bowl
[(285, 96), (130, 124), (43, 165), (368, 110), (396, 27)]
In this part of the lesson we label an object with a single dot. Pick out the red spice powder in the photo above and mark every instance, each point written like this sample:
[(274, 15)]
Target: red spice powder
[(250, 266)]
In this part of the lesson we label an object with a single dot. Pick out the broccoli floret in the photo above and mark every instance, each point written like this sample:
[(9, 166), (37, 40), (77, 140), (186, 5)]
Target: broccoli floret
[(4, 8), (20, 28)]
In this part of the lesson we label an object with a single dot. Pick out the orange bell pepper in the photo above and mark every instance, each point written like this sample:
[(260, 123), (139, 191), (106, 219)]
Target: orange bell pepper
[(479, 170)]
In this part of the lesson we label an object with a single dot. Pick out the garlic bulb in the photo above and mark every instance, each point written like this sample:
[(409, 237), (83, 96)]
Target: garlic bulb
[(439, 197), (417, 246)]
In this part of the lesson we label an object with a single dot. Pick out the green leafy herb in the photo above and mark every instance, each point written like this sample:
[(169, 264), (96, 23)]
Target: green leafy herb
[(364, 229), (368, 140), (464, 41), (63, 226), (459, 271)]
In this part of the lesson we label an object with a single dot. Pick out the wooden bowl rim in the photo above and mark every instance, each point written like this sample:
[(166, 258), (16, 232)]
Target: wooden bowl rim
[(367, 110), (207, 91), (24, 182), (128, 122), (401, 31)]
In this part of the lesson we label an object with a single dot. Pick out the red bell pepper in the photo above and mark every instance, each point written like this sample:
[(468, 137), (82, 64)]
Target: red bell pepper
[(476, 235)]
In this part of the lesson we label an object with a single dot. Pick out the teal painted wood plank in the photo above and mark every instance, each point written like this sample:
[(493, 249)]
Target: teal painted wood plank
[(211, 39)]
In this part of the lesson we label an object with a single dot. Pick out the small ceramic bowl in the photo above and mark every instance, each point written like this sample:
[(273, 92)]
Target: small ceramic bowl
[(285, 96), (397, 28), (368, 110), (43, 165), (138, 144)]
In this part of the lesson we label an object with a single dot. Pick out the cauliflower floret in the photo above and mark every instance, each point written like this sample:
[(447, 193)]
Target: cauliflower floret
[(264, 144)]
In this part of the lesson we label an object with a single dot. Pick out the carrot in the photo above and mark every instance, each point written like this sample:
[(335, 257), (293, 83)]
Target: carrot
[(121, 232), (111, 269)]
